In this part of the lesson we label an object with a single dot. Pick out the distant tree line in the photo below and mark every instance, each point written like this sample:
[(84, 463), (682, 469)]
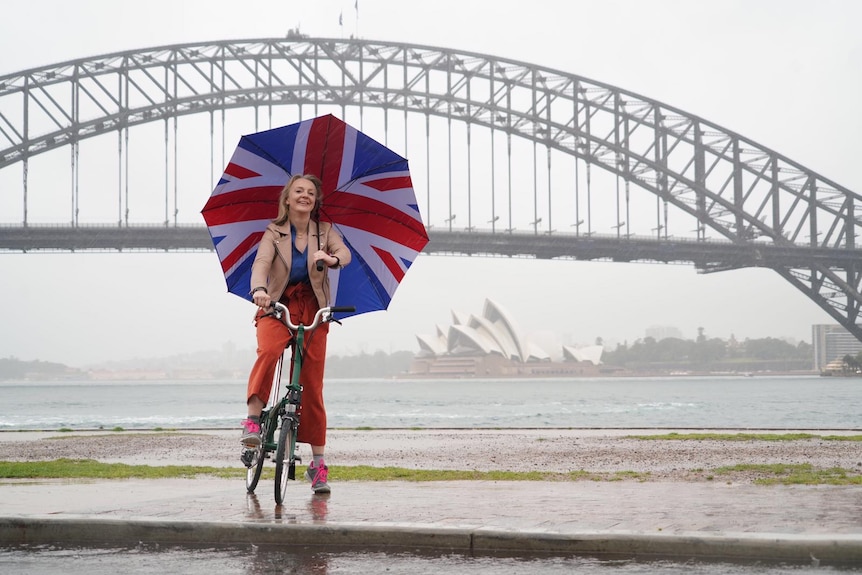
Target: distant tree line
[(712, 353), (378, 364), (852, 364), (14, 368), (646, 354)]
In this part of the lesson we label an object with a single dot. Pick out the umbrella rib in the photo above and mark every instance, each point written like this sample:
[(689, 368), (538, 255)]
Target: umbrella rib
[(378, 167)]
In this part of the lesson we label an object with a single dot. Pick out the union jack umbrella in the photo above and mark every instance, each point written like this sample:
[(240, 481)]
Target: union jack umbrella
[(367, 195)]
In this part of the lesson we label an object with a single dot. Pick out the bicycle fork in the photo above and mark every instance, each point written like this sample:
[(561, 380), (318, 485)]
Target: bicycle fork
[(290, 419), (294, 399)]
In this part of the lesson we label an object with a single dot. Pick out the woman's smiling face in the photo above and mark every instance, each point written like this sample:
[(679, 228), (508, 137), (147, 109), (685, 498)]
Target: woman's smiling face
[(302, 196)]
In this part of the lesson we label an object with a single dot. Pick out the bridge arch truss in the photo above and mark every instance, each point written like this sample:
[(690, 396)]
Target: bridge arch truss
[(550, 163)]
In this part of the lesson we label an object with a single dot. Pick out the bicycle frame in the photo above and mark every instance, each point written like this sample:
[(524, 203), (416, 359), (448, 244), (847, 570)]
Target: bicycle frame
[(286, 410)]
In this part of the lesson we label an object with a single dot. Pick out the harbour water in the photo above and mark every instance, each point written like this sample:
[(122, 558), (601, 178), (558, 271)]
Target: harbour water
[(762, 402)]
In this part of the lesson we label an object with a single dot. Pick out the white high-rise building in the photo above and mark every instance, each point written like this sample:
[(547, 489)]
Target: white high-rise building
[(831, 342)]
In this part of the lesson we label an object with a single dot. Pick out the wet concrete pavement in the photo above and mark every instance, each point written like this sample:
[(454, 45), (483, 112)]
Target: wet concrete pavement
[(676, 519)]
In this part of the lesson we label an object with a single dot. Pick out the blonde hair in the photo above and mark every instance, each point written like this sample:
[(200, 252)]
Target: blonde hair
[(283, 211)]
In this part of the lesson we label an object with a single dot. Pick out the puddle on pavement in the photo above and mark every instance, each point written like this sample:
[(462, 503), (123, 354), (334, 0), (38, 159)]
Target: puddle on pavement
[(250, 560)]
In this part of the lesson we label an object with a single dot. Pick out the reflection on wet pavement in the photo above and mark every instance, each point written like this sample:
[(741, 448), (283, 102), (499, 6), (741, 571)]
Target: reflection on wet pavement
[(253, 560)]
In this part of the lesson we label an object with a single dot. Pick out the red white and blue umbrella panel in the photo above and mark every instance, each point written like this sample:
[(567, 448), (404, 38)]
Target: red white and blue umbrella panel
[(367, 195)]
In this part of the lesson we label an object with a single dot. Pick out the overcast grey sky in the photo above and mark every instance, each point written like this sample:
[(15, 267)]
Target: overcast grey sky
[(785, 73)]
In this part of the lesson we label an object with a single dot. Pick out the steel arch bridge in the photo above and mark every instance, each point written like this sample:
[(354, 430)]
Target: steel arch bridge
[(560, 157)]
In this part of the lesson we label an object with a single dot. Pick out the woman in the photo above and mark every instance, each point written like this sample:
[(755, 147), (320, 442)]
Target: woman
[(285, 270)]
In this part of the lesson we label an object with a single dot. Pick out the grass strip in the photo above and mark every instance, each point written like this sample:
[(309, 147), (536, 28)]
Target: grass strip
[(743, 437), (764, 474), (369, 473), (793, 474), (92, 469)]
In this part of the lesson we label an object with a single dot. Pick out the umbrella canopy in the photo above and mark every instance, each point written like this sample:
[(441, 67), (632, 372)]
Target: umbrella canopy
[(367, 195)]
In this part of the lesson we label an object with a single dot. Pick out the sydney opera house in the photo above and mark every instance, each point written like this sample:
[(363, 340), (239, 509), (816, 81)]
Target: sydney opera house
[(491, 345)]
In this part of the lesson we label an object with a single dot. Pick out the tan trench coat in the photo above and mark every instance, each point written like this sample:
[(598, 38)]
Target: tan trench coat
[(271, 267)]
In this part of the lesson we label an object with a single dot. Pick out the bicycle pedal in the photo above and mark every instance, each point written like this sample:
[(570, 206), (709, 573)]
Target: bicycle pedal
[(247, 457)]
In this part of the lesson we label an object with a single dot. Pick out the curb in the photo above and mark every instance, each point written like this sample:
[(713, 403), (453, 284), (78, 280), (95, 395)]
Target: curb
[(805, 549)]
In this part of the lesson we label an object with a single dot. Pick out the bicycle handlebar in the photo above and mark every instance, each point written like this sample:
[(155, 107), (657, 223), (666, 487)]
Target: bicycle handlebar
[(323, 314)]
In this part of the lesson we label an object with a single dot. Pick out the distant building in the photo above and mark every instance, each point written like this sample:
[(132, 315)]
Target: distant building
[(590, 353), (831, 343), (660, 332), (492, 333), (491, 345)]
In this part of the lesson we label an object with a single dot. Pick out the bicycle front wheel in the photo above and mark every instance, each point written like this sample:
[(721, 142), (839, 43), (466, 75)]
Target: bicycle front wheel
[(254, 460), (282, 467), (252, 475)]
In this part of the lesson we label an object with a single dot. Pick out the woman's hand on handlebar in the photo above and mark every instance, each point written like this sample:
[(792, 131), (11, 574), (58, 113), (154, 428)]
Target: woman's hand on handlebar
[(261, 299)]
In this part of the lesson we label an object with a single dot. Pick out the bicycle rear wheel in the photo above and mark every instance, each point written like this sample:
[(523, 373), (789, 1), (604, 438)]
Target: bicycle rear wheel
[(283, 473)]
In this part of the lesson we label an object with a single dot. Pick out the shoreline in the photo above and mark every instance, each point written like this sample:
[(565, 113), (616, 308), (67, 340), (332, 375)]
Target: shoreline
[(552, 450), (663, 429), (144, 375)]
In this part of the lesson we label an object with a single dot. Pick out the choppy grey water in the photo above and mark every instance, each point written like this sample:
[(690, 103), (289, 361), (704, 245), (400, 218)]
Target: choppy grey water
[(766, 402)]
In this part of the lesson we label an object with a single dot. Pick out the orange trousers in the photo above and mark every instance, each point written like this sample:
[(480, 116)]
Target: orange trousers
[(272, 337)]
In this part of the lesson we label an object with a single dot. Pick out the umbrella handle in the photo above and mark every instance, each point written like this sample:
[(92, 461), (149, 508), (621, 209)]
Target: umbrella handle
[(319, 262)]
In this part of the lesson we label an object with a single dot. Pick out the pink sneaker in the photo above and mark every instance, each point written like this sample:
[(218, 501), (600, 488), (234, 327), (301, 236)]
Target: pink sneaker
[(318, 476), (250, 433)]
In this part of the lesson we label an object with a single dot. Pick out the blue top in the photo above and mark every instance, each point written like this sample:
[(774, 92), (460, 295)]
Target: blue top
[(299, 263)]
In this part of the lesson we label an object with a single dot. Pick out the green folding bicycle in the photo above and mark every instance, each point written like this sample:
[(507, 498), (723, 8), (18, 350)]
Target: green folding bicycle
[(282, 417)]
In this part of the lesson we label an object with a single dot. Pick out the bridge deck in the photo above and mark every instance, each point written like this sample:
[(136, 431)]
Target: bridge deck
[(706, 255)]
